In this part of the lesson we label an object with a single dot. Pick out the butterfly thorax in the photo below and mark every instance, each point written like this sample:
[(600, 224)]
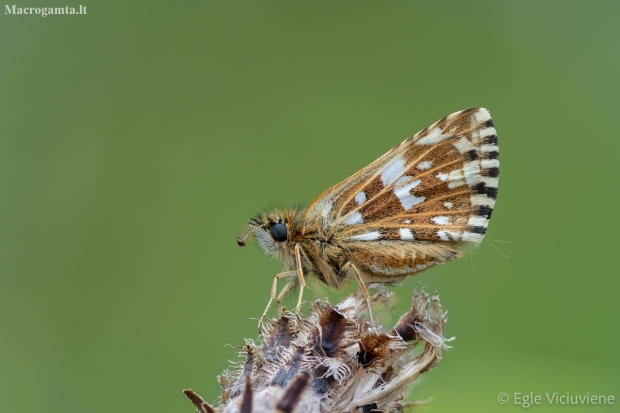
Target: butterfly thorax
[(321, 256)]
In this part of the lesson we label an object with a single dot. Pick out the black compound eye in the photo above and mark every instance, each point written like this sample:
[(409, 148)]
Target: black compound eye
[(278, 232)]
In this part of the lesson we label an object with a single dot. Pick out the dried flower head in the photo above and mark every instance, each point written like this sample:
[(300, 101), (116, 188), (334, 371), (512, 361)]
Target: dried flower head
[(333, 360)]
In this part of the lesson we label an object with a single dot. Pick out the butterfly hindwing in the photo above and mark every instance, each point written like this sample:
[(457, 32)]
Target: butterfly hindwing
[(415, 203)]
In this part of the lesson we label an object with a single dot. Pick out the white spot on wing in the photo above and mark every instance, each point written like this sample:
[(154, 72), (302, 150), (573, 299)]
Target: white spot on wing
[(478, 222), (354, 218), (442, 176), (448, 235), (490, 181), (443, 235), (422, 166), (488, 148), (394, 169), (402, 180), (433, 137), (406, 234), (471, 170), (448, 204), (441, 220), (487, 132), (489, 163), (360, 198), (463, 145), (469, 236), (405, 197), (482, 199), (482, 115), (407, 221), (367, 236), (456, 174)]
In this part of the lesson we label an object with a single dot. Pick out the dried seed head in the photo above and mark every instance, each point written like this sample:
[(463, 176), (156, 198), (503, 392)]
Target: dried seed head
[(333, 360)]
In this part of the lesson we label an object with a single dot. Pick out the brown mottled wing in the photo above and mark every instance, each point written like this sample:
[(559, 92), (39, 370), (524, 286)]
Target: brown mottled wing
[(416, 205)]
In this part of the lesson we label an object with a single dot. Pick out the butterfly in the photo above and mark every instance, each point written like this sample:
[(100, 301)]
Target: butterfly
[(419, 205)]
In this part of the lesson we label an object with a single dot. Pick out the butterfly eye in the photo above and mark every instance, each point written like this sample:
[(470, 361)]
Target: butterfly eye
[(278, 232)]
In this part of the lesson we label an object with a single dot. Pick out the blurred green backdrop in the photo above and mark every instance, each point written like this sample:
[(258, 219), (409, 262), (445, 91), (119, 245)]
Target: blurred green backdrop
[(136, 141)]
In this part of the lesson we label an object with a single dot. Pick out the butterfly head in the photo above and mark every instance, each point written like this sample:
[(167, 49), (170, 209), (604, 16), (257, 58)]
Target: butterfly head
[(271, 232)]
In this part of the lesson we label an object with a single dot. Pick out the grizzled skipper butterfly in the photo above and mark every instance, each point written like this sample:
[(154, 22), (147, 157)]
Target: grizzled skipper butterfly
[(416, 206)]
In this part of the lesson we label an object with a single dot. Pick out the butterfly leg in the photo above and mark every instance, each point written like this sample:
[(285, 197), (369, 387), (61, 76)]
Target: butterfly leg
[(274, 285), (300, 274), (360, 281), (287, 288)]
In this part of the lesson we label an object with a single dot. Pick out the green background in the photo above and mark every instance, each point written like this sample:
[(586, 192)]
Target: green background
[(136, 141)]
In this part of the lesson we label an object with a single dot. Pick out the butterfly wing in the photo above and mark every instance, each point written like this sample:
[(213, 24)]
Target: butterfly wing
[(419, 203)]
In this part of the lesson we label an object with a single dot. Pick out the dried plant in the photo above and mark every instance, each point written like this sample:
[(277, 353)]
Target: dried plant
[(334, 360)]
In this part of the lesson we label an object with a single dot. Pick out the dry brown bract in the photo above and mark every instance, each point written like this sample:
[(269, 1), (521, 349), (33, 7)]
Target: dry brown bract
[(333, 360)]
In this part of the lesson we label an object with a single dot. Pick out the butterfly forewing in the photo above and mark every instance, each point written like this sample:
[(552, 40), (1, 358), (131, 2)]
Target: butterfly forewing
[(412, 207)]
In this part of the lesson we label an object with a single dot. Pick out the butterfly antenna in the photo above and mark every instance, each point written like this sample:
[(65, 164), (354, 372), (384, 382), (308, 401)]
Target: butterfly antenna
[(241, 238)]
